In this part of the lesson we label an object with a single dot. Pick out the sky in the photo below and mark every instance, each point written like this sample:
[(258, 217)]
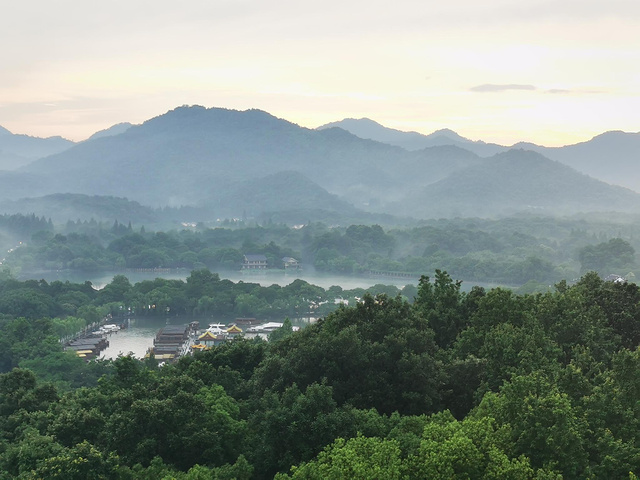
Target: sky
[(549, 72)]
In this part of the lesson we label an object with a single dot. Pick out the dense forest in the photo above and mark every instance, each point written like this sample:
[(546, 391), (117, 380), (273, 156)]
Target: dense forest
[(538, 251), (484, 384)]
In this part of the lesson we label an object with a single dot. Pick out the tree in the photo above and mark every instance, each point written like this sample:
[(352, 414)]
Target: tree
[(378, 354), (618, 302), (294, 426), (544, 425), (441, 304), (82, 462), (358, 458), (202, 282), (472, 448), (19, 391), (279, 333), (176, 418), (20, 458), (116, 290), (612, 255)]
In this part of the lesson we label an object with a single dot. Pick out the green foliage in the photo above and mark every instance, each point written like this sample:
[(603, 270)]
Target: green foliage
[(81, 462), (544, 425), (473, 448), (607, 257), (22, 457), (279, 333), (294, 426), (358, 458), (442, 305), (470, 385), (377, 354)]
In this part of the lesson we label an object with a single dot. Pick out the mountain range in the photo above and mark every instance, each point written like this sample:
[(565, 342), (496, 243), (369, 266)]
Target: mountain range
[(371, 130), (522, 180), (250, 163), (613, 156)]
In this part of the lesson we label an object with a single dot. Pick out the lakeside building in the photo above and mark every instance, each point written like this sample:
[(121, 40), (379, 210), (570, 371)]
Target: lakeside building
[(254, 262), (290, 263)]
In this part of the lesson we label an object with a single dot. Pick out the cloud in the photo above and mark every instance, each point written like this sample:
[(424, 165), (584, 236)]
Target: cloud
[(563, 91), (489, 87), (558, 91)]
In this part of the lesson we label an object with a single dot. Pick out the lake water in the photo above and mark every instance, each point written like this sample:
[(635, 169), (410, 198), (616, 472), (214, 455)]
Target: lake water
[(134, 340)]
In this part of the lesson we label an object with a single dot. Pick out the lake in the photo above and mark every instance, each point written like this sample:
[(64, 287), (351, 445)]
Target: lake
[(136, 339)]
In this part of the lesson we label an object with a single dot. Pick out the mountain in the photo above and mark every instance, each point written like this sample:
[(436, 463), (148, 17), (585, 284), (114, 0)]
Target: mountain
[(369, 129), (519, 181), (116, 129), (249, 163), (19, 150), (191, 155), (613, 157), (278, 192)]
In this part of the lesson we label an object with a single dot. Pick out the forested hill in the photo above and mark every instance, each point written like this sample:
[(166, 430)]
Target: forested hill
[(248, 163), (189, 154), (64, 207), (520, 180), (611, 156), (279, 192)]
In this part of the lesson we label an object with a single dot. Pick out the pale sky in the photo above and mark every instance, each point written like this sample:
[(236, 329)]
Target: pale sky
[(550, 72)]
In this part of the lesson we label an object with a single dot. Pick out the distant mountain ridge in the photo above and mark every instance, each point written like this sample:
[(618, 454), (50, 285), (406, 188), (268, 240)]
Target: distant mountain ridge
[(233, 162), (371, 130), (19, 150), (521, 180), (613, 156)]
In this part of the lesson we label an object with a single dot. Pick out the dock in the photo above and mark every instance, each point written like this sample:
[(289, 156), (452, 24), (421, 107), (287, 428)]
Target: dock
[(88, 347), (173, 342)]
